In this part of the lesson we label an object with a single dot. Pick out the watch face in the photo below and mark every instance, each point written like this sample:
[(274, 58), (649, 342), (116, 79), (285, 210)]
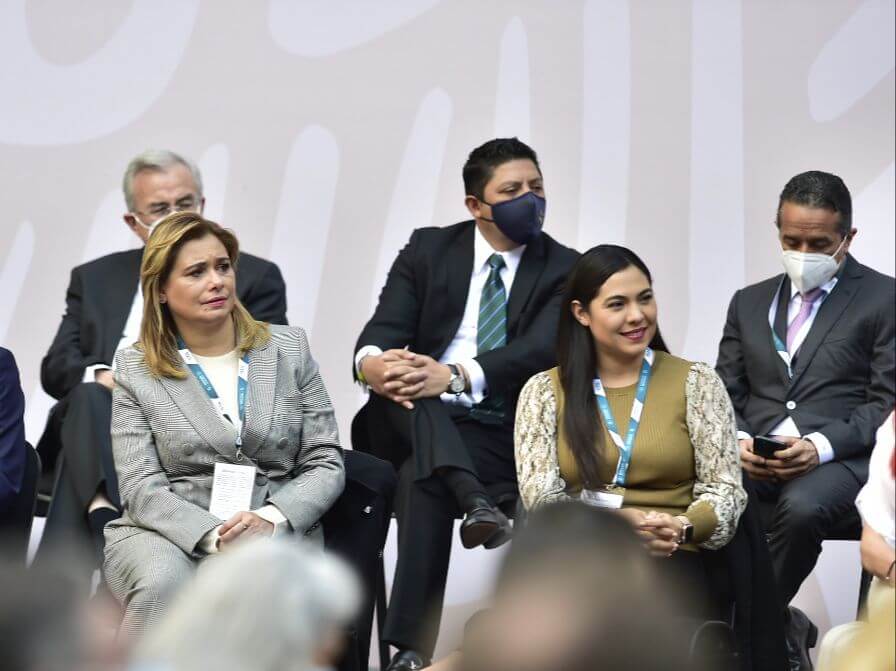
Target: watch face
[(456, 385)]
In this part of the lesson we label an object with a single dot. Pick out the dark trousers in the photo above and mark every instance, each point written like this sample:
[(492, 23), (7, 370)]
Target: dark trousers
[(697, 582), (84, 467), (806, 509), (355, 528), (431, 436)]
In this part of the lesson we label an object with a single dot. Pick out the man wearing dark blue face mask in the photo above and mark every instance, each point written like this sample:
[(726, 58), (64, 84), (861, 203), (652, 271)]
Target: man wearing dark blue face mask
[(467, 315)]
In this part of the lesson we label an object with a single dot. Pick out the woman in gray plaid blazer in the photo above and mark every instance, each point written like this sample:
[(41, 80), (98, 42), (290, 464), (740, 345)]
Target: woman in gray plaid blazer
[(168, 432)]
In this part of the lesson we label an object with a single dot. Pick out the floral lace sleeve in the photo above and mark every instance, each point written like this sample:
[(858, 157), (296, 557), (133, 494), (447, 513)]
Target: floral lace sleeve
[(713, 431), (535, 442)]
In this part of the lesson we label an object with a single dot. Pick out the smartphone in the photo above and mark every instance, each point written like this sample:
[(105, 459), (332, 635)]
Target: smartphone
[(766, 446)]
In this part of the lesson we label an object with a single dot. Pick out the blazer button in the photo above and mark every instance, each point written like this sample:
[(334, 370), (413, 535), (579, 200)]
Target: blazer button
[(790, 405), (261, 479), (283, 443), (188, 449)]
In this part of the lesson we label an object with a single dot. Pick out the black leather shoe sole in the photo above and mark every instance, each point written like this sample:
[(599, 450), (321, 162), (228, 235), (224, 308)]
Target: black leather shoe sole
[(812, 638), (502, 535), (477, 532)]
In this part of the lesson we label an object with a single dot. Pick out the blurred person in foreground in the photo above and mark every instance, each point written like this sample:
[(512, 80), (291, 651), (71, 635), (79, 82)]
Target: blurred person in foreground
[(622, 424), (876, 503), (576, 593), (47, 622), (103, 309), (221, 426), (270, 605), (873, 648)]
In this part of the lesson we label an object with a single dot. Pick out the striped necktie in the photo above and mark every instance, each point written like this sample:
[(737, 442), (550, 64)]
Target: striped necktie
[(808, 301), (491, 333)]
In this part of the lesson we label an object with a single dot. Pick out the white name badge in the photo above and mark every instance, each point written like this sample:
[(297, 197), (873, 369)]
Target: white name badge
[(602, 498), (231, 490)]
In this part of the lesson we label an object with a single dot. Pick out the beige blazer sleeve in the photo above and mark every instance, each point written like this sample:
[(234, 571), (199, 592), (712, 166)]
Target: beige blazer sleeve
[(535, 444)]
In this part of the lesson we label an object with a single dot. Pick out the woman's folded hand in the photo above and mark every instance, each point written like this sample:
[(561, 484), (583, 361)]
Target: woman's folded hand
[(243, 525)]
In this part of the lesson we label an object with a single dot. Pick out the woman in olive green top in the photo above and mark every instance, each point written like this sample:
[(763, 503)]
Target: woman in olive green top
[(671, 468)]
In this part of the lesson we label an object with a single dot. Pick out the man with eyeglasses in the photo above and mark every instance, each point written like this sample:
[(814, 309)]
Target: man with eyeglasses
[(104, 307)]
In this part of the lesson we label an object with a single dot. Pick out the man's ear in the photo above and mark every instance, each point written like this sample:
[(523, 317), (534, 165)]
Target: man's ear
[(849, 238), (135, 226), (474, 207)]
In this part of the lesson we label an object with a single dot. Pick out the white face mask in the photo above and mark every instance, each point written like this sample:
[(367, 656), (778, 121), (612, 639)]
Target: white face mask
[(148, 227), (808, 271)]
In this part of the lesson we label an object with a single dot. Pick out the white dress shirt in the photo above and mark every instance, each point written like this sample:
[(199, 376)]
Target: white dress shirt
[(129, 337), (877, 499), (788, 427), (463, 348)]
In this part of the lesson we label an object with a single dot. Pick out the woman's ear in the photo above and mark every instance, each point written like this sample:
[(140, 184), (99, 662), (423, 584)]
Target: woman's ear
[(580, 314)]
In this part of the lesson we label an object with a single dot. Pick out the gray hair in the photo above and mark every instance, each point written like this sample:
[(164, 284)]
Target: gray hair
[(265, 605), (155, 159)]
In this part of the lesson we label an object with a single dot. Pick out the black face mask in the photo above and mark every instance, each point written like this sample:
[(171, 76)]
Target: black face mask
[(521, 218)]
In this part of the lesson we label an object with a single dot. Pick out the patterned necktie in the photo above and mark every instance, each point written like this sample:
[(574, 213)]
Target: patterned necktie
[(491, 332), (809, 299)]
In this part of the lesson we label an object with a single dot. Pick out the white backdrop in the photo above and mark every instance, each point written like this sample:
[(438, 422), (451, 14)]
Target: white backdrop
[(327, 130)]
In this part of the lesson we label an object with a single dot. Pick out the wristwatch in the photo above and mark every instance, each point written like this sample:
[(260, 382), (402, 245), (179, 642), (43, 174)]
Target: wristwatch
[(687, 530), (456, 384)]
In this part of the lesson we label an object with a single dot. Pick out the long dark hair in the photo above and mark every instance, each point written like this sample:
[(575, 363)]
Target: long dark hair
[(577, 356)]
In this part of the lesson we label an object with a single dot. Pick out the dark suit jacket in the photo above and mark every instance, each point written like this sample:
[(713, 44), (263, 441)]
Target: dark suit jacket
[(843, 375), (423, 302), (98, 301), (12, 430)]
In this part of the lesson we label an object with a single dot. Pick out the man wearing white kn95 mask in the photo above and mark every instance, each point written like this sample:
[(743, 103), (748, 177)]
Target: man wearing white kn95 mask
[(808, 359)]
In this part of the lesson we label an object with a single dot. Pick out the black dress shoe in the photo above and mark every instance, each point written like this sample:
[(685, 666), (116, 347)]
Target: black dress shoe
[(502, 534), (407, 660), (801, 635), (480, 523), (478, 526)]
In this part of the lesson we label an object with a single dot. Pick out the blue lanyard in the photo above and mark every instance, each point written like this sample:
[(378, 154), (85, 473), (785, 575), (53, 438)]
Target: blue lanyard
[(625, 447), (242, 388)]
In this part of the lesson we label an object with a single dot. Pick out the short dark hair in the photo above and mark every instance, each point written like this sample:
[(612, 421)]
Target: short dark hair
[(485, 158), (819, 189)]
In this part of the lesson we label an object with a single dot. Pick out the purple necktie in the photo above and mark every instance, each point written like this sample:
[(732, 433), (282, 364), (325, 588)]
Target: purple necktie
[(809, 299)]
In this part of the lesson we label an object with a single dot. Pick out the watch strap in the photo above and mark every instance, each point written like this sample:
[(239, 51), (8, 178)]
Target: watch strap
[(455, 375), (687, 530)]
